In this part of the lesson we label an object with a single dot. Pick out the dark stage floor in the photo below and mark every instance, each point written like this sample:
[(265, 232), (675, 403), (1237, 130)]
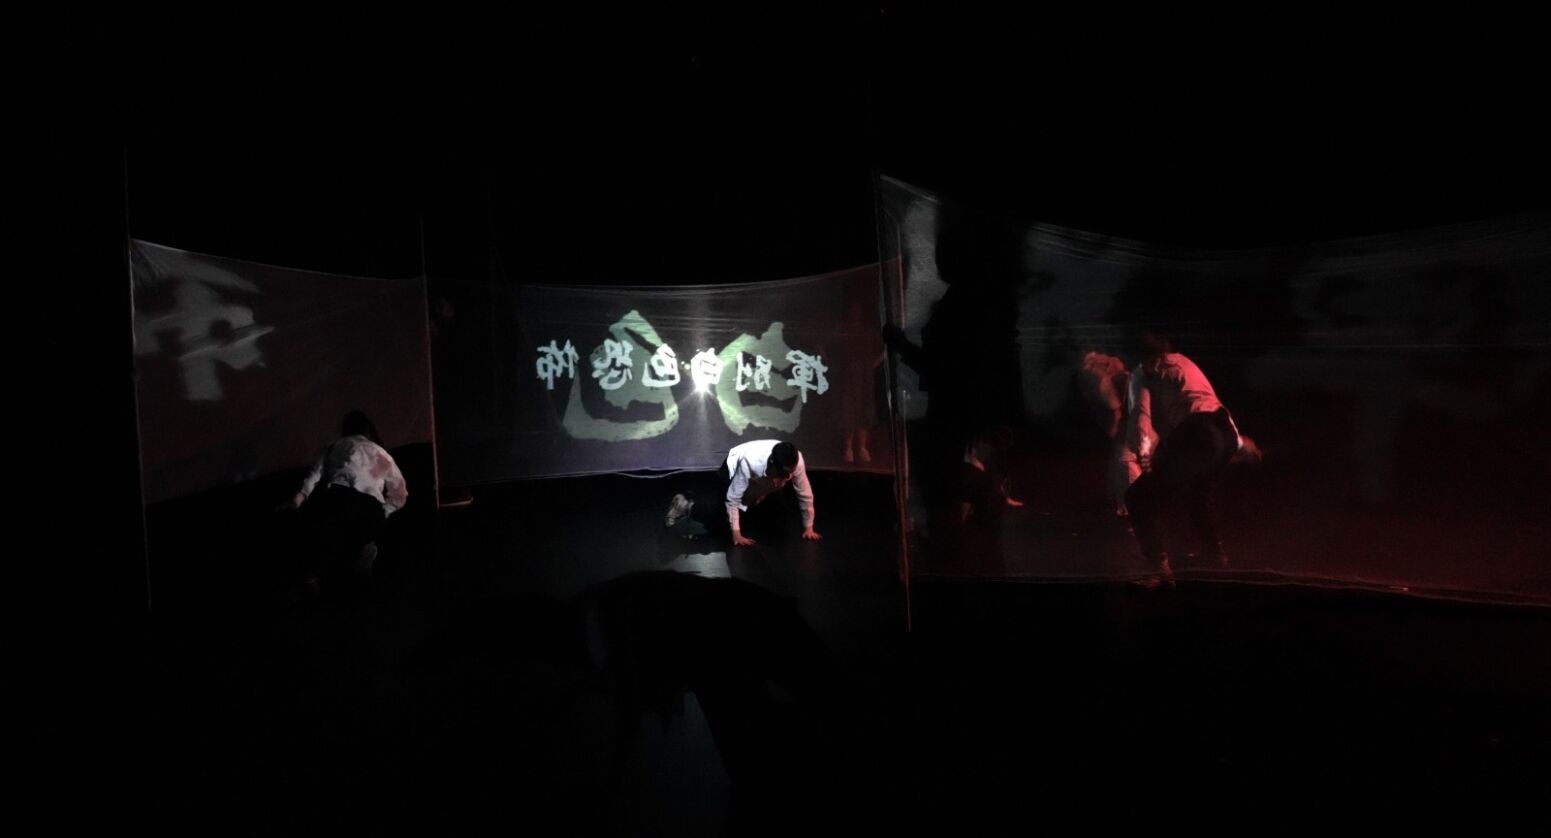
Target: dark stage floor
[(466, 681)]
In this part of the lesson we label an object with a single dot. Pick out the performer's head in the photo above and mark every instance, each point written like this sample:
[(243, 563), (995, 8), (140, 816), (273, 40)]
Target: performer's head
[(782, 462), (1155, 341), (357, 423)]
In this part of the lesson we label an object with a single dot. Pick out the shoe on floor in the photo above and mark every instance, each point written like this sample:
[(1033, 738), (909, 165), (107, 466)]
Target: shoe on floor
[(678, 509)]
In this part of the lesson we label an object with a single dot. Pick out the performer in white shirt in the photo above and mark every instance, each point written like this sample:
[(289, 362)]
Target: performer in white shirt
[(753, 471), (348, 494)]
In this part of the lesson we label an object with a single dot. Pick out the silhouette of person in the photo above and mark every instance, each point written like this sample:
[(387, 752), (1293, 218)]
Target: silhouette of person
[(1196, 441), (983, 480), (347, 495), (968, 358), (1110, 393)]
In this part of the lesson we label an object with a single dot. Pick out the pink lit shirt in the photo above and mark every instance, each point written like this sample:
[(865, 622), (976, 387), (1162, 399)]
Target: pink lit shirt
[(356, 462), (1171, 388)]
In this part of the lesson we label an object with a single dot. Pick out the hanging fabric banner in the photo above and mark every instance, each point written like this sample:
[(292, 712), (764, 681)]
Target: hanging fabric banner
[(547, 381), (244, 370)]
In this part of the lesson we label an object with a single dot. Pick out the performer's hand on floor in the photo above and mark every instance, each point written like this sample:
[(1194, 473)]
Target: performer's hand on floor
[(738, 539), (809, 535)]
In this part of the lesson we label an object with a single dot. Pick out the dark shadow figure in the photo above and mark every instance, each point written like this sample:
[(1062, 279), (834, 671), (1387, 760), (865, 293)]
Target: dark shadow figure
[(968, 359)]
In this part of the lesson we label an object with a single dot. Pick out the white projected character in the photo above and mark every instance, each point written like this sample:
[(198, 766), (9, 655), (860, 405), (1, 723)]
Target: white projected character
[(762, 369), (611, 363), (807, 373), (755, 375), (706, 369), (662, 369), (770, 402), (211, 332), (745, 374), (554, 362)]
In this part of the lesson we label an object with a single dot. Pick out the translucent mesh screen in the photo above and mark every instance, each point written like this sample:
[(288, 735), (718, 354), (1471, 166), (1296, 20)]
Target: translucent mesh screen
[(245, 369), (544, 381), (1394, 386)]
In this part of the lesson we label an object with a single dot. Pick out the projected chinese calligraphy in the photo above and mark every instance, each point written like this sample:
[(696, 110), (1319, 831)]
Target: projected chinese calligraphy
[(625, 396), (766, 398), (634, 373), (554, 361), (209, 330)]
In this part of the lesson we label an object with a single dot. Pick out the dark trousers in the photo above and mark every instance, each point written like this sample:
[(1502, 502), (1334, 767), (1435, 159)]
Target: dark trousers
[(711, 505), (710, 497), (1186, 469), (339, 522)]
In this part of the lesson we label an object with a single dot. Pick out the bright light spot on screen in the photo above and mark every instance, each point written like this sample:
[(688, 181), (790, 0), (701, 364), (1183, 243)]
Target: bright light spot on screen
[(705, 368)]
